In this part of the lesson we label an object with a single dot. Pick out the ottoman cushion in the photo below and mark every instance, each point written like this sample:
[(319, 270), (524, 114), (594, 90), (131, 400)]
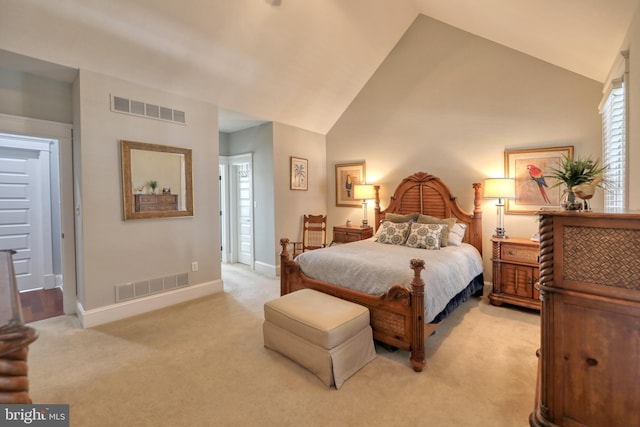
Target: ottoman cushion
[(319, 318)]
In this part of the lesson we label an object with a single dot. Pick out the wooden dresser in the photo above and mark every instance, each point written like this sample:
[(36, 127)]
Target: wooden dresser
[(589, 357), (515, 272), (155, 202), (351, 233)]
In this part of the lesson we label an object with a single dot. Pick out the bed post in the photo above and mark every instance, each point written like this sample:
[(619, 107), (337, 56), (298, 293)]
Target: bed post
[(417, 316), (284, 257), (376, 223), (476, 238)]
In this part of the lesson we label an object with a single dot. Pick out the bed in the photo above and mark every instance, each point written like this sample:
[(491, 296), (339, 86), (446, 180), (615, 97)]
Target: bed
[(399, 309)]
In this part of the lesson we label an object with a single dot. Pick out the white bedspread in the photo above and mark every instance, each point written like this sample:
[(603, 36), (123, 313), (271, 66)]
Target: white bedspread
[(371, 267)]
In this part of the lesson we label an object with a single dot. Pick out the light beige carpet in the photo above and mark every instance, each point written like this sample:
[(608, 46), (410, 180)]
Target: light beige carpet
[(203, 363)]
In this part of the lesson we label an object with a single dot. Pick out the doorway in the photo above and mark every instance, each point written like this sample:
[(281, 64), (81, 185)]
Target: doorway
[(236, 209), (36, 205), (27, 211)]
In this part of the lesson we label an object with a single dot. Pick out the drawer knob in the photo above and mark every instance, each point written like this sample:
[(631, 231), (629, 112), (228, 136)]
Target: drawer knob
[(512, 252), (591, 361)]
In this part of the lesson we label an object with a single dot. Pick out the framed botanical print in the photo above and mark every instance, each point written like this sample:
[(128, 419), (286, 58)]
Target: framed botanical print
[(299, 174), (535, 189), (348, 175)]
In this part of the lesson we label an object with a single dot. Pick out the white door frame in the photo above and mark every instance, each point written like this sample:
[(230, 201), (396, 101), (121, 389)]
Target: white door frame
[(62, 133), (223, 165), (230, 213)]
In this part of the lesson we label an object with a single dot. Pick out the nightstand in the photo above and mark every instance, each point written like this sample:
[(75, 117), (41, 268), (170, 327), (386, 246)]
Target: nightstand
[(515, 272), (351, 233)]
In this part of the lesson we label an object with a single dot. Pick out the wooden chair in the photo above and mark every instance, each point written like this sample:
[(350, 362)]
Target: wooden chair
[(314, 234)]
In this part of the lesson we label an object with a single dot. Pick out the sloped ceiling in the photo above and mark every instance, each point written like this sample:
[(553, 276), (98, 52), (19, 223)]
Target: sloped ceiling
[(291, 61)]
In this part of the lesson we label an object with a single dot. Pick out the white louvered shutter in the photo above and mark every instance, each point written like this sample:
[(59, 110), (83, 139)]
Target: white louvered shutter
[(613, 147)]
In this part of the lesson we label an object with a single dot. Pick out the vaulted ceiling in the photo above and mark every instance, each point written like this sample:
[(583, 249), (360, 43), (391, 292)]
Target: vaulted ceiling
[(291, 61)]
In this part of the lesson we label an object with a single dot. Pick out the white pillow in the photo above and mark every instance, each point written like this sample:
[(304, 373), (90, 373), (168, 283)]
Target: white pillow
[(456, 234), (425, 236), (392, 233)]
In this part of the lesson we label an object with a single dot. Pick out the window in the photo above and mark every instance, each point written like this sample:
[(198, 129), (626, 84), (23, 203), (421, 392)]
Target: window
[(614, 147)]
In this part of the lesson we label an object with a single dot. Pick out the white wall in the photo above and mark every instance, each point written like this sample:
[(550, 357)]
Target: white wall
[(258, 141), (26, 95), (449, 103), (291, 205), (114, 251), (279, 209)]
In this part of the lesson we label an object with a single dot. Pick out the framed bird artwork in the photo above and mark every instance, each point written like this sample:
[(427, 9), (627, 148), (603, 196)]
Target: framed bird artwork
[(535, 189), (348, 175)]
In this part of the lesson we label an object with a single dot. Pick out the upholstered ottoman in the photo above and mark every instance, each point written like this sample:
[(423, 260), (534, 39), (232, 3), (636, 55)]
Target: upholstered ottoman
[(329, 336)]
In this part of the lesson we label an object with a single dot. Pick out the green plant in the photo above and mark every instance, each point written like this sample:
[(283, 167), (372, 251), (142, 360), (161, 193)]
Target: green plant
[(575, 172), (153, 184)]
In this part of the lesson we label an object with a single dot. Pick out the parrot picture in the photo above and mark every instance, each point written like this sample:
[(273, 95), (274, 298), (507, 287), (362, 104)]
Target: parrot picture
[(536, 174)]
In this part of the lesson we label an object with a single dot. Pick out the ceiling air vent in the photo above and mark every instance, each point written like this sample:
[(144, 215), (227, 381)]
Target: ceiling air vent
[(150, 111)]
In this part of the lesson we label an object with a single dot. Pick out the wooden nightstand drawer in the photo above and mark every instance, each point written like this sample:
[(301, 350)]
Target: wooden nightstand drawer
[(515, 272), (346, 234), (519, 253)]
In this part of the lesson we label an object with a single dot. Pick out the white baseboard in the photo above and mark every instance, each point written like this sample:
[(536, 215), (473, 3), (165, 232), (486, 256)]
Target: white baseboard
[(49, 281), (264, 268), (111, 313)]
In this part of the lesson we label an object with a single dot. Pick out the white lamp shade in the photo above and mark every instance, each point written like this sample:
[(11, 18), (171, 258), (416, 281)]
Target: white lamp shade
[(363, 192), (499, 188)]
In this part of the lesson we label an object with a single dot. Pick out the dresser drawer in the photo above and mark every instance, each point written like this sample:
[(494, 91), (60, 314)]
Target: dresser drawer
[(519, 253)]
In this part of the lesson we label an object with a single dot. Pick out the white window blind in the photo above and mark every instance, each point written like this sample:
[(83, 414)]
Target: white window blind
[(614, 147)]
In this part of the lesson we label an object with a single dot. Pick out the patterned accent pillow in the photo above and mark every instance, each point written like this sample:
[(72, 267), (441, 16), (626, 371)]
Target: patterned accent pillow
[(427, 219), (425, 236), (392, 233), (457, 234)]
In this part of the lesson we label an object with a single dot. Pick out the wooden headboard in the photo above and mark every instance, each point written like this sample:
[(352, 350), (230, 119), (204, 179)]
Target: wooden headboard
[(428, 195)]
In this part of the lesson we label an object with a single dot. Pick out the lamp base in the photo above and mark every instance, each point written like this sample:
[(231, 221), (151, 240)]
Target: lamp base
[(500, 234)]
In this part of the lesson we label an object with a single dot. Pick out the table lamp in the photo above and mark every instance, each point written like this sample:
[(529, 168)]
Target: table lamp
[(500, 188), (364, 192)]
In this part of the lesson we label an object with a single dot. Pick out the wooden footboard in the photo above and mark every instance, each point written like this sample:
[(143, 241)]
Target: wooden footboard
[(397, 318)]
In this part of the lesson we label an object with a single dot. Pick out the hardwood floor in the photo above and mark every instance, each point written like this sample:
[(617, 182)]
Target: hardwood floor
[(41, 304)]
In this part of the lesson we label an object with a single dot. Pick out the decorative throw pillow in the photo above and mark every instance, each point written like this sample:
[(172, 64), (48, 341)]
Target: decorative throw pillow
[(425, 236), (427, 219), (392, 233), (394, 217), (456, 234)]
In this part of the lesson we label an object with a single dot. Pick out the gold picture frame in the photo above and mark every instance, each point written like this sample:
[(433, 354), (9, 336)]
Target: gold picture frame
[(347, 175), (535, 189), (167, 169)]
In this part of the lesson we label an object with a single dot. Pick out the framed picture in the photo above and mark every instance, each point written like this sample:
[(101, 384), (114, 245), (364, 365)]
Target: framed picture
[(534, 188), (299, 174), (348, 175)]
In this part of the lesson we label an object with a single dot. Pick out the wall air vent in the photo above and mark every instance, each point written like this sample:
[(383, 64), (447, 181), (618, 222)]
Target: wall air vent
[(120, 104), (137, 107), (153, 111), (132, 290), (150, 111)]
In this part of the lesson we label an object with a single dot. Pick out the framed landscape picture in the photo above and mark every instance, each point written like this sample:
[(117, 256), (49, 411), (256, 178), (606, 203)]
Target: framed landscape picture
[(299, 174), (534, 188), (348, 175)]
